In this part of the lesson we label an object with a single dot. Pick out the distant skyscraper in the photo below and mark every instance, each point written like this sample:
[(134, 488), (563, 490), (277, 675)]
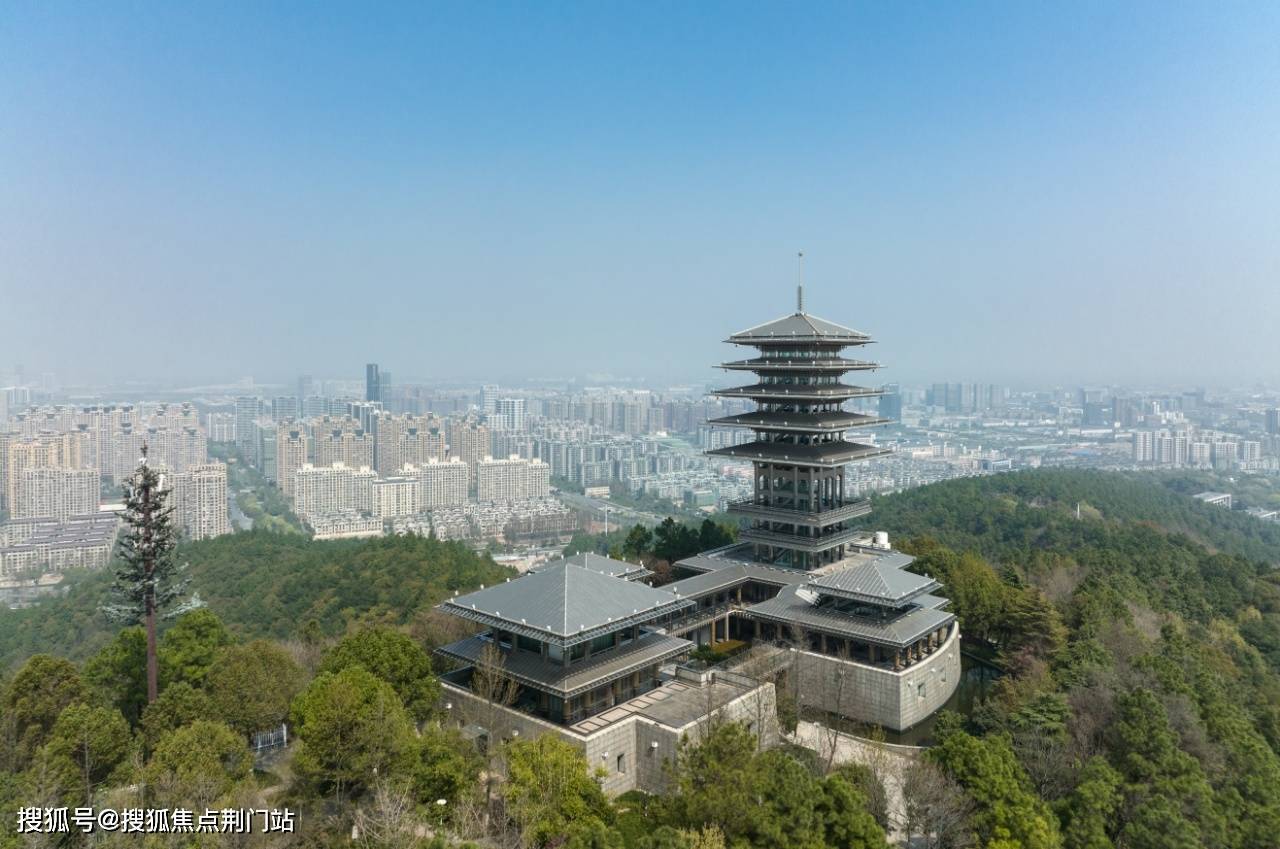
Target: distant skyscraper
[(247, 409), (306, 387), (489, 399), (285, 407), (372, 387), (1273, 421), (1143, 446), (890, 403), (510, 413)]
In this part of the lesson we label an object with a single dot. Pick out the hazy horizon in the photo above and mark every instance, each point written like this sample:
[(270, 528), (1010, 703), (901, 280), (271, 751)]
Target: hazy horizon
[(1084, 193)]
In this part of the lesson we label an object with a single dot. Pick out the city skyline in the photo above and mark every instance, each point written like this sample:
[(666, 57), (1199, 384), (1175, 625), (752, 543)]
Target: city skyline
[(1030, 194)]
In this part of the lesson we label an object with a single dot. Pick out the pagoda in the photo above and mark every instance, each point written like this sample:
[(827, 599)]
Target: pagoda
[(798, 516)]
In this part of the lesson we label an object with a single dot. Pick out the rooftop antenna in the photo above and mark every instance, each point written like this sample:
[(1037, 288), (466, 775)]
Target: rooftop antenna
[(799, 282)]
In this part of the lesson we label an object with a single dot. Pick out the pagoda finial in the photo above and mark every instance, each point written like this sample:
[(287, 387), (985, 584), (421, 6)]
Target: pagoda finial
[(799, 282)]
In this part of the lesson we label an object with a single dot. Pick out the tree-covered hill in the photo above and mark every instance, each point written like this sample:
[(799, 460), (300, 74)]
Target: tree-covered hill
[(265, 584), (1005, 515), (1142, 642)]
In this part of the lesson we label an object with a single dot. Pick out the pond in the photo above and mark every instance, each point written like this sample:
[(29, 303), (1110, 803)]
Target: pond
[(976, 678)]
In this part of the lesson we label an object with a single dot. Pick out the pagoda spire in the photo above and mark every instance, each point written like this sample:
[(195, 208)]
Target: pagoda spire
[(800, 283)]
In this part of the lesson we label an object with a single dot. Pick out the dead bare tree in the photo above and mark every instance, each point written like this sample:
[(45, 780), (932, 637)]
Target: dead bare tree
[(836, 707), (497, 691), (937, 811), (386, 820)]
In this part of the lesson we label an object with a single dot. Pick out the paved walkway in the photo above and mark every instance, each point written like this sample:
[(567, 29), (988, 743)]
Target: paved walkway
[(888, 761)]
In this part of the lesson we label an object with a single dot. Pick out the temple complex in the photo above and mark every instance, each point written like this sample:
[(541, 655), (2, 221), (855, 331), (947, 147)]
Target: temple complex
[(850, 627)]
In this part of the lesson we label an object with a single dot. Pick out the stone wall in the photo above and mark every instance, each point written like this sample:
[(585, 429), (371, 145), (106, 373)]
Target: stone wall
[(894, 700), (645, 745)]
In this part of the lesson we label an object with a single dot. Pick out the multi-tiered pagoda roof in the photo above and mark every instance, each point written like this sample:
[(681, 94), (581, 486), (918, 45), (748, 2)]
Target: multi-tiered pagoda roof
[(799, 516)]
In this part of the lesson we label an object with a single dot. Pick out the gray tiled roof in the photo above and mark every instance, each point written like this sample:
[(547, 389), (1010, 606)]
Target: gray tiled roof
[(823, 454), (794, 606), (800, 326), (835, 420), (603, 565), (737, 573), (548, 675), (883, 579), (564, 602)]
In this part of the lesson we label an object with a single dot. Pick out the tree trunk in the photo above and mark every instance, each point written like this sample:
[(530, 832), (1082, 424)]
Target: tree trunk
[(153, 666)]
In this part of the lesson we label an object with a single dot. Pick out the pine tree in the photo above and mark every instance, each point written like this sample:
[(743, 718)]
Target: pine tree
[(147, 580)]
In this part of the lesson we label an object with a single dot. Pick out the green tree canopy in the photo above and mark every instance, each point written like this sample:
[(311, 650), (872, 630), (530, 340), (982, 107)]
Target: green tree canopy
[(1008, 812), (190, 648), (551, 794), (394, 657), (252, 686), (351, 727), (117, 674), (179, 704), (43, 687), (85, 745), (199, 764)]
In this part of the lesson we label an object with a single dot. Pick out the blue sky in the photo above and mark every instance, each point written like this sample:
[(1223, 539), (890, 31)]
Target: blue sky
[(1020, 192)]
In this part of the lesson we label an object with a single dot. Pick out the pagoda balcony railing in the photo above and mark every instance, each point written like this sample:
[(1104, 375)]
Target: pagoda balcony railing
[(809, 518), (801, 543)]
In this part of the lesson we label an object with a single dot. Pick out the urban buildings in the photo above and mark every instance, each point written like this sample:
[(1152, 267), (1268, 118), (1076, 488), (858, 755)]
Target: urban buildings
[(833, 604), (42, 545), (333, 489), (57, 493), (439, 484), (372, 389), (291, 454), (198, 497), (512, 479), (469, 441), (342, 440)]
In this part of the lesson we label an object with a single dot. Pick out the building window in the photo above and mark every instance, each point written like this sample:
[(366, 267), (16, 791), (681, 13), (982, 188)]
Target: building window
[(622, 764), (920, 690)]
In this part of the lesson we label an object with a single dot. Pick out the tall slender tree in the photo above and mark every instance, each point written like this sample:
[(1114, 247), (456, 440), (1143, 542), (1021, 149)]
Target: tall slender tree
[(147, 579)]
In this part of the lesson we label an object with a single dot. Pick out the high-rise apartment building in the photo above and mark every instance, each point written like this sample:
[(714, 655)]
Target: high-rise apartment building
[(342, 440), (198, 497), (247, 411), (1273, 421), (291, 454), (42, 451), (220, 427), (323, 490), (1225, 454), (372, 388), (470, 442), (489, 399), (509, 413), (512, 479), (889, 405), (440, 483), (404, 439), (1200, 455), (1144, 450), (56, 493), (394, 497)]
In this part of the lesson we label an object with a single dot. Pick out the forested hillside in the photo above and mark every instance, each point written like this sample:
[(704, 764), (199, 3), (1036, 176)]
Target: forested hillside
[(1142, 704), (263, 584), (1140, 708)]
